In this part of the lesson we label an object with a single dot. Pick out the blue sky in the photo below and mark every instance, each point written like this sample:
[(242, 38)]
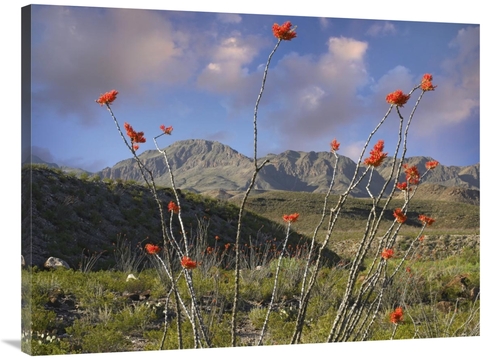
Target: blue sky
[(201, 72)]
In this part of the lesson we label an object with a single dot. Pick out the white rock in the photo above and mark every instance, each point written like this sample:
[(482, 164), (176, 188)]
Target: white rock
[(131, 277), (53, 262)]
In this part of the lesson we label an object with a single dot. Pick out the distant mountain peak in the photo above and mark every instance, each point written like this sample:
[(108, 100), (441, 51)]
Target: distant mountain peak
[(33, 159), (205, 165)]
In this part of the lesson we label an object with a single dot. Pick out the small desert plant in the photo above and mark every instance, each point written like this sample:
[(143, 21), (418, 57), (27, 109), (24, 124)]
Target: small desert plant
[(128, 258), (89, 260)]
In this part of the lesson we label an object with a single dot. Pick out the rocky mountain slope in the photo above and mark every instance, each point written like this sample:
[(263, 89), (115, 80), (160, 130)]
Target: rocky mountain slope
[(76, 218), (209, 166)]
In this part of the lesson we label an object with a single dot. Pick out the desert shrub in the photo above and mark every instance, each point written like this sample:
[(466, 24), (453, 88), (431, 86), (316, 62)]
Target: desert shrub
[(96, 338), (129, 258)]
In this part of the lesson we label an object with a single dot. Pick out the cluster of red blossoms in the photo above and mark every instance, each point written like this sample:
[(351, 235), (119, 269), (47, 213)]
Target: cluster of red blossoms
[(377, 155), (107, 98), (334, 145), (387, 254), (291, 218), (397, 316), (187, 263), (285, 31), (166, 130), (173, 207), (152, 249), (412, 174), (426, 83), (399, 215), (431, 164), (135, 137), (426, 220), (397, 98), (403, 186)]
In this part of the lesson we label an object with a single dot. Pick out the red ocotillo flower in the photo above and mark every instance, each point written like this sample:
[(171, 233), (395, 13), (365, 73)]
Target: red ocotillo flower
[(397, 316), (173, 207), (152, 249), (285, 31), (291, 218), (412, 174), (334, 145), (387, 254), (426, 83), (166, 130), (187, 263), (426, 220), (397, 98), (403, 186), (135, 137), (399, 215), (431, 164), (377, 156), (107, 98)]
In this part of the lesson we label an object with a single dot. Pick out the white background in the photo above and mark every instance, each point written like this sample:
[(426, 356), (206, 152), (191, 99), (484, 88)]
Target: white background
[(476, 12)]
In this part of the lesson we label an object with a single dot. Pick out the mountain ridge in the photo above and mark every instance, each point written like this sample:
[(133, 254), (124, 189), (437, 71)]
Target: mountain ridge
[(206, 166), (203, 166)]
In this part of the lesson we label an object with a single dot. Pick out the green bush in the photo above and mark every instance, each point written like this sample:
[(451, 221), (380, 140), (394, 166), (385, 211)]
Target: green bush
[(429, 290)]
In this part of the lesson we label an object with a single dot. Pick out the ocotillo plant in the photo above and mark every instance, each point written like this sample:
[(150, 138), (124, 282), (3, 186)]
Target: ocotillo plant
[(360, 305)]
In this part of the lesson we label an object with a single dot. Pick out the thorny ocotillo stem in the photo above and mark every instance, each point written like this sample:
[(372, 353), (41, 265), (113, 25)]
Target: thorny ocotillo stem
[(242, 206)]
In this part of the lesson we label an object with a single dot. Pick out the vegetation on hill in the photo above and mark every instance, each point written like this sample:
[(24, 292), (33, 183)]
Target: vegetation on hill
[(73, 217), (101, 224), (457, 223)]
